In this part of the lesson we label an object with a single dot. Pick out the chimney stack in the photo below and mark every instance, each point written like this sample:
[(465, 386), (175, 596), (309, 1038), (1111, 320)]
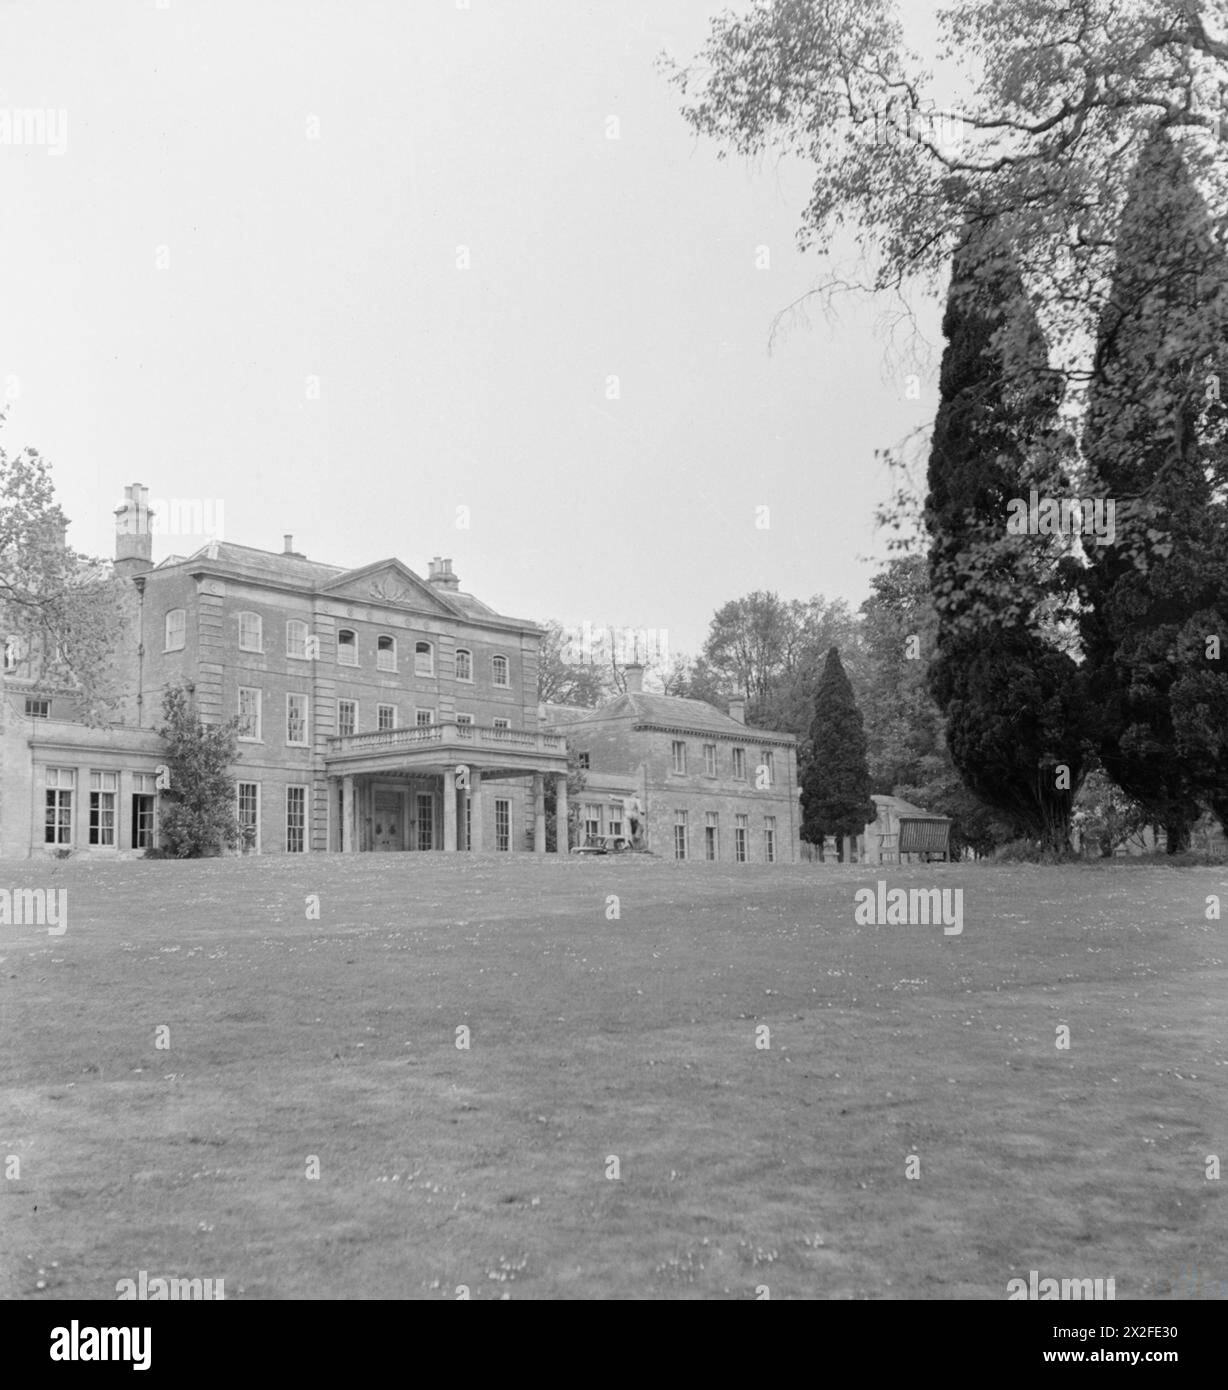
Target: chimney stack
[(633, 672), (737, 708), (133, 536), (441, 575), (288, 547)]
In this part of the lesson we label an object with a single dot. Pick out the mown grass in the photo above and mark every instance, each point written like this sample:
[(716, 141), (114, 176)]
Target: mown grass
[(595, 1036)]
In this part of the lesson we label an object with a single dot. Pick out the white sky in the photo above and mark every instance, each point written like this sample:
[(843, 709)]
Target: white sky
[(334, 257)]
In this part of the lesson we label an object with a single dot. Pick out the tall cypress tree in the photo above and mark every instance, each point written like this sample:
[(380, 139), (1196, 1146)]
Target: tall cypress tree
[(1156, 616), (1011, 696), (836, 782)]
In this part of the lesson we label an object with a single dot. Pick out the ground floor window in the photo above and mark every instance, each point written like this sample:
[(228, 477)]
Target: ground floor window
[(592, 821), (60, 782), (248, 810), (503, 824), (679, 834), (711, 843), (739, 838), (769, 839), (104, 787), (614, 820), (426, 821), (296, 820)]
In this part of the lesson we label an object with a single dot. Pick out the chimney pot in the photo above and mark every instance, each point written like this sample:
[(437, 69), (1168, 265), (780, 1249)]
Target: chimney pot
[(440, 574)]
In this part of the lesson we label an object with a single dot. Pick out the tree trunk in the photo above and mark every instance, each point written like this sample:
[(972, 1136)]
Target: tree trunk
[(1177, 836)]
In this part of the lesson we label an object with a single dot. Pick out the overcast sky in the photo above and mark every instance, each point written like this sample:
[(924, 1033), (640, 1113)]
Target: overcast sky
[(256, 196)]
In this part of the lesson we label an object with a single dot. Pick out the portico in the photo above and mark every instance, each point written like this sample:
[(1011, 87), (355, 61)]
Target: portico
[(426, 788)]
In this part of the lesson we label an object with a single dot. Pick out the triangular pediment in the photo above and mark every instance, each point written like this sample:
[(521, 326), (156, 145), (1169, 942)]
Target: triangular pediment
[(392, 583)]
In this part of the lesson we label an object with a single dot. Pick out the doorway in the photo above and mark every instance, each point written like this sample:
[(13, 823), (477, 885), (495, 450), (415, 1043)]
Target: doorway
[(388, 820)]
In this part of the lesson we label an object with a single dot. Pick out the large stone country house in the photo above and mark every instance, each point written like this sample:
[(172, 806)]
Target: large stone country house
[(378, 711)]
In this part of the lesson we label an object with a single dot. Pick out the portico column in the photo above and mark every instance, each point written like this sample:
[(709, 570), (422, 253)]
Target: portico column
[(475, 809), (539, 813), (561, 844), (347, 815), (449, 809)]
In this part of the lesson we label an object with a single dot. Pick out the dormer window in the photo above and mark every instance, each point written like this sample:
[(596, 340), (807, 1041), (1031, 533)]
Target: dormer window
[(347, 647), (386, 653)]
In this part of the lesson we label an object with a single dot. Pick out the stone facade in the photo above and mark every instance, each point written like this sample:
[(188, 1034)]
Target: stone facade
[(379, 712), (708, 786)]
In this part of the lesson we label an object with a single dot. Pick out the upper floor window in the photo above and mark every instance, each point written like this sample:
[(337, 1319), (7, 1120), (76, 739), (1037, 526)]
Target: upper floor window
[(176, 628), (464, 719), (503, 723), (583, 757), (38, 709), (385, 717), (423, 718), (679, 748), (499, 670), (710, 759), (464, 664), (296, 639), (347, 717), (767, 768), (296, 718), (347, 647), (424, 659), (386, 653), (250, 700), (251, 632), (739, 764)]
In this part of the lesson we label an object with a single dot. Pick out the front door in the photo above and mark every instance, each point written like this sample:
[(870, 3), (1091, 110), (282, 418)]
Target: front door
[(387, 820)]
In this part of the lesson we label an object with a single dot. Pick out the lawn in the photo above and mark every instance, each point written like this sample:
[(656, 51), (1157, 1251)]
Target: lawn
[(595, 1036)]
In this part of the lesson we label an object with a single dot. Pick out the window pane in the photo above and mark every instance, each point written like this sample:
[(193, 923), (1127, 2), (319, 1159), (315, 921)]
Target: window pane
[(296, 639), (176, 626), (250, 626)]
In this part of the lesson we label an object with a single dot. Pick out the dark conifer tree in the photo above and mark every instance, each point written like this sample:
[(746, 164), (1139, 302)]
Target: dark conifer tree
[(1155, 620), (1009, 691), (836, 780)]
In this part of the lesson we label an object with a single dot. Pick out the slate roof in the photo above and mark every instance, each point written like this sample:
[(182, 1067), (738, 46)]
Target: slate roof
[(672, 712), (298, 572), (904, 808)]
